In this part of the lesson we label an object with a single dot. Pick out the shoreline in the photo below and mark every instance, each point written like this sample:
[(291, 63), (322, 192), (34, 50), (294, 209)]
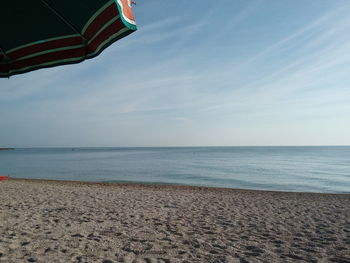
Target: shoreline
[(163, 185), (64, 221)]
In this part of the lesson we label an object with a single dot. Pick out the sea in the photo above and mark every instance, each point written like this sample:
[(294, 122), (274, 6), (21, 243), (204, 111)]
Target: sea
[(324, 169)]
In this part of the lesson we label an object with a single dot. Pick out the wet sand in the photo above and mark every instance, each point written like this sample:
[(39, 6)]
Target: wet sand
[(54, 221)]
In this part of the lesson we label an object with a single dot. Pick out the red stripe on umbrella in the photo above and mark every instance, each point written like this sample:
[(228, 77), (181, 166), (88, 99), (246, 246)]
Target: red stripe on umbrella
[(103, 18), (105, 34), (50, 57), (46, 45)]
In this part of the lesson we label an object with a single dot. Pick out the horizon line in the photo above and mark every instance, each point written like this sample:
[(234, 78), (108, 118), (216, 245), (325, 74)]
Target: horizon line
[(179, 146)]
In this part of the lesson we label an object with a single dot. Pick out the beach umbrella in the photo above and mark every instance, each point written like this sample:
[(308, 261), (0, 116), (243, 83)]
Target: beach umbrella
[(45, 33)]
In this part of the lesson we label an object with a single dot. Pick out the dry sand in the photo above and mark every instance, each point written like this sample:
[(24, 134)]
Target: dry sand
[(52, 221)]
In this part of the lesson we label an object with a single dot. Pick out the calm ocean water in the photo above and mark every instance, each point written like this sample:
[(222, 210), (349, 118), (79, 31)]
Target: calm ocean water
[(307, 169)]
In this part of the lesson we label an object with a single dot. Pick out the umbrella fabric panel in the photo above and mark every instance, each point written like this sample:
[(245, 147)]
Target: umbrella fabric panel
[(23, 22), (73, 32), (77, 12)]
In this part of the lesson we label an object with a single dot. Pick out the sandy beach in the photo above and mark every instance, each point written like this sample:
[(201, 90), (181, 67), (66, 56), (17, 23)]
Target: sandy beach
[(54, 221)]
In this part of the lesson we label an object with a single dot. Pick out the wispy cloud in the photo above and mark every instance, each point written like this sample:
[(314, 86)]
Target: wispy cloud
[(306, 59)]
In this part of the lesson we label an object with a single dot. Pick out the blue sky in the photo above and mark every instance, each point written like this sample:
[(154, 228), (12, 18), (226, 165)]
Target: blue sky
[(249, 72)]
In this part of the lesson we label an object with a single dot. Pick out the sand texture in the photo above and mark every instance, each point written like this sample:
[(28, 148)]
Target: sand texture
[(52, 221)]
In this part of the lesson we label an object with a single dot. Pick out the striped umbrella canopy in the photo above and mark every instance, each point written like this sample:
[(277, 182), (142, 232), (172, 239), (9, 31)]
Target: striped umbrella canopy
[(45, 33)]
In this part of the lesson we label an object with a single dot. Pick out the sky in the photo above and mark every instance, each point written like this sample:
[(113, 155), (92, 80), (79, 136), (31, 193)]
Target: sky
[(196, 73)]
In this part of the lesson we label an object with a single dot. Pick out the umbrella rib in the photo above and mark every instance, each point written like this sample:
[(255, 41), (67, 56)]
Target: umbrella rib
[(3, 52), (65, 21), (7, 59)]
